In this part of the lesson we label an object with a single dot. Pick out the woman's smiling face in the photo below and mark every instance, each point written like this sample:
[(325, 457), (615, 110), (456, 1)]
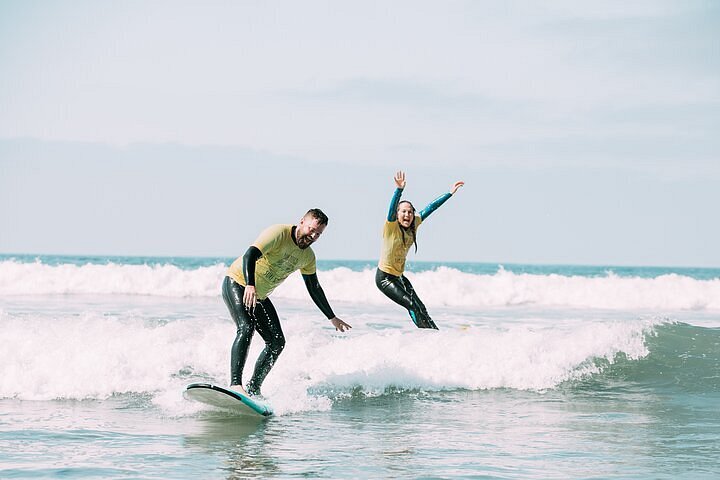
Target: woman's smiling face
[(405, 214)]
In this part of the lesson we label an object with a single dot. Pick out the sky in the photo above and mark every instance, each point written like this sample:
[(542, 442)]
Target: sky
[(586, 132)]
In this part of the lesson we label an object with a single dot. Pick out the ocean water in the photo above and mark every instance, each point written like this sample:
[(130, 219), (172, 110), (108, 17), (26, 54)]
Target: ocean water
[(536, 372)]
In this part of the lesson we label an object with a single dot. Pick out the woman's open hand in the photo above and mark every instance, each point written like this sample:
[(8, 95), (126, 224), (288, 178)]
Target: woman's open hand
[(400, 179), (456, 186)]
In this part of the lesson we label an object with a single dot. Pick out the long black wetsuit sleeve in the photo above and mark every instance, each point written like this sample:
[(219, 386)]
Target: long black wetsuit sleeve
[(249, 260), (434, 205), (317, 294), (392, 212)]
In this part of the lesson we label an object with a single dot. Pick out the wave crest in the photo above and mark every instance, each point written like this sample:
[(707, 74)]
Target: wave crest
[(443, 286)]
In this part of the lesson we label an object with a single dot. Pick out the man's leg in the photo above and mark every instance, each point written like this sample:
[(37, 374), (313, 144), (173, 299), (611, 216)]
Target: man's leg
[(232, 294), (268, 326)]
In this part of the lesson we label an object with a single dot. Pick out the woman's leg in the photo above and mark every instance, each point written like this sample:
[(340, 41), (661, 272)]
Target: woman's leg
[(268, 326), (400, 291), (232, 293), (418, 306)]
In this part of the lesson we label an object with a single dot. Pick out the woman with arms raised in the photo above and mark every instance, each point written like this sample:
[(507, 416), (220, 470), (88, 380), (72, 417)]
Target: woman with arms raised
[(399, 234)]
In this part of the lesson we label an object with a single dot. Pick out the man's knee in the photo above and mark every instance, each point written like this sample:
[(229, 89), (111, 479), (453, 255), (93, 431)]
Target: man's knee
[(277, 345), (244, 328)]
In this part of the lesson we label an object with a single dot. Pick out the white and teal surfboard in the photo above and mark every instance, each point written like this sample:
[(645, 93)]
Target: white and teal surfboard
[(227, 399)]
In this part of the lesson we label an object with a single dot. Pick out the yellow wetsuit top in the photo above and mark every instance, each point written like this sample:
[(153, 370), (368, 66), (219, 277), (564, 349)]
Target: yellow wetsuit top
[(395, 246), (280, 257)]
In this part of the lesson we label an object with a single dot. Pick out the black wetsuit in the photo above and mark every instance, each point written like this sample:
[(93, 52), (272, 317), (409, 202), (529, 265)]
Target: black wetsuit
[(398, 288), (264, 319)]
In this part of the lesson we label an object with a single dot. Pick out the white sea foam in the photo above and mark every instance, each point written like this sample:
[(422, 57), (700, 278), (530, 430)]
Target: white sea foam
[(19, 278), (441, 287), (96, 355)]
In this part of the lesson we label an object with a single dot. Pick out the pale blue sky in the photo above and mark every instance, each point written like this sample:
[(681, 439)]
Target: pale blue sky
[(586, 131)]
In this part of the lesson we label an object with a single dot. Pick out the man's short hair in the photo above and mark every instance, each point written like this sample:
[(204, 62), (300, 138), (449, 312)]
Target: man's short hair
[(318, 215)]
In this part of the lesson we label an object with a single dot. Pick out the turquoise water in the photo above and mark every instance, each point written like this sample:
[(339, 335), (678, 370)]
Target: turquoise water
[(536, 372)]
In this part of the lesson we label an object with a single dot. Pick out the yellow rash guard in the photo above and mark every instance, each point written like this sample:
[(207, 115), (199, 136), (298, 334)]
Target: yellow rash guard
[(394, 249), (280, 258)]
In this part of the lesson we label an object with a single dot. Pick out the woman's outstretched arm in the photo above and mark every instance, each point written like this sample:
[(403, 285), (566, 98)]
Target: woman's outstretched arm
[(435, 204)]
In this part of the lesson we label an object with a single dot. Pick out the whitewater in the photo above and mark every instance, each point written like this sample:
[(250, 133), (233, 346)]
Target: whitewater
[(441, 286)]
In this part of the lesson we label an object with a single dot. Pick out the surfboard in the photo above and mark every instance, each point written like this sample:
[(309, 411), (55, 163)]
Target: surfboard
[(227, 399)]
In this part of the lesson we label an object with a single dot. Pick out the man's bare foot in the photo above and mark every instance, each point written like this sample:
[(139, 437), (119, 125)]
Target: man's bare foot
[(239, 389)]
